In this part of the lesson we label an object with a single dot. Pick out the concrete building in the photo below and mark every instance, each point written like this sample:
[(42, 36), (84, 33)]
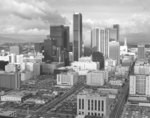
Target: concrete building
[(100, 40), (114, 51), (67, 79), (116, 26), (85, 65), (142, 67), (15, 96), (10, 80), (141, 52), (93, 104), (139, 85), (77, 36), (96, 78)]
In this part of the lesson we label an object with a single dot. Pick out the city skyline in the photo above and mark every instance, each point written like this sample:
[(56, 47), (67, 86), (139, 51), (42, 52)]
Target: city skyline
[(34, 17)]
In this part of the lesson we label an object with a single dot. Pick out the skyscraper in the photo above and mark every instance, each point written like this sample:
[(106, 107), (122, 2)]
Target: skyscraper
[(60, 39), (116, 26), (47, 46), (114, 51), (100, 40), (77, 36), (141, 52)]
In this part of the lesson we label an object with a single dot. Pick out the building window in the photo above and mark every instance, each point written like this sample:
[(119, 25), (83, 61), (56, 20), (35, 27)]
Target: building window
[(79, 103), (88, 113), (92, 114), (88, 104), (95, 114), (99, 105), (82, 103), (98, 114), (82, 113), (102, 105), (92, 104), (95, 104), (102, 114)]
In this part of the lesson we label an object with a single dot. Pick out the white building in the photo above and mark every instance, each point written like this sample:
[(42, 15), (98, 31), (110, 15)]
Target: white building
[(139, 85), (114, 51), (67, 79), (116, 82), (14, 96), (97, 78), (100, 40), (148, 86), (85, 65)]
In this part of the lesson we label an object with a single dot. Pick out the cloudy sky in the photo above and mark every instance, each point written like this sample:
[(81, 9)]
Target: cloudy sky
[(33, 17)]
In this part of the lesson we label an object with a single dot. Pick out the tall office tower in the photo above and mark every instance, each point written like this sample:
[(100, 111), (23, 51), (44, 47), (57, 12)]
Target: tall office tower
[(100, 40), (114, 51), (60, 38), (47, 50), (113, 34), (141, 52), (77, 36), (116, 26), (94, 39), (14, 50), (98, 57)]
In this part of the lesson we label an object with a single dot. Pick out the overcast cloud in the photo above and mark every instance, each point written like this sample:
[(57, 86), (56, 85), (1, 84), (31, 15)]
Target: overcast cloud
[(35, 16)]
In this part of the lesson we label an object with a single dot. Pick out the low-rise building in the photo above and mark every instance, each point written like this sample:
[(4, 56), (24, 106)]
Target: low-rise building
[(67, 79), (7, 113), (97, 78), (15, 96)]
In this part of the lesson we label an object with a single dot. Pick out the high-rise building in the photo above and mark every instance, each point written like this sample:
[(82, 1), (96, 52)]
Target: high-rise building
[(116, 26), (114, 51), (60, 39), (141, 52), (77, 36), (100, 40), (47, 50)]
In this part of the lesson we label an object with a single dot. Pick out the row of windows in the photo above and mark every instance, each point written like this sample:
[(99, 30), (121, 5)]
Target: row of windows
[(95, 114), (97, 106), (81, 103)]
